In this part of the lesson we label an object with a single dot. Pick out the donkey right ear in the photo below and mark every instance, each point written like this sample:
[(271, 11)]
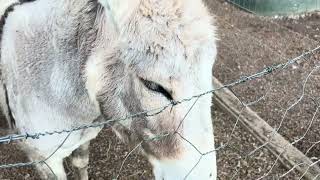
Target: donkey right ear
[(119, 10)]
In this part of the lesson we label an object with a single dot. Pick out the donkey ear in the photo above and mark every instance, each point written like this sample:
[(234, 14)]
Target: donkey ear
[(119, 10)]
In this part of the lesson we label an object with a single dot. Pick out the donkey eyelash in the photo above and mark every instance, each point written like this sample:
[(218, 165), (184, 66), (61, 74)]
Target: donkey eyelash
[(157, 88)]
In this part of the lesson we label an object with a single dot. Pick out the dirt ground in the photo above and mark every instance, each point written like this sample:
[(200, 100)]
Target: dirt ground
[(247, 44)]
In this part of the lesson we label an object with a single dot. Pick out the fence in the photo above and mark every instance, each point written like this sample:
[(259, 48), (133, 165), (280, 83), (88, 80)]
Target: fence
[(227, 98), (154, 112)]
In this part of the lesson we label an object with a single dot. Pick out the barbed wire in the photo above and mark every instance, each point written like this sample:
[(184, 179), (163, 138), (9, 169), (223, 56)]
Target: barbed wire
[(103, 123), (266, 71), (245, 105), (281, 124), (272, 134)]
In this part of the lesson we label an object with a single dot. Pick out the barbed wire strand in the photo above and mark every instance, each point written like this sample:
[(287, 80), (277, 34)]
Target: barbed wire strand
[(244, 79), (281, 55), (277, 129), (264, 72), (232, 133), (281, 124), (260, 147), (247, 156), (44, 161)]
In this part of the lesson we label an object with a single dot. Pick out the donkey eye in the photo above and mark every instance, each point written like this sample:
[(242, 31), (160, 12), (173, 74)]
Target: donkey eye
[(157, 88)]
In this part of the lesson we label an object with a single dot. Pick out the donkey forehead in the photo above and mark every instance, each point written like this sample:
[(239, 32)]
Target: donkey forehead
[(168, 39), (163, 38), (157, 60), (162, 48)]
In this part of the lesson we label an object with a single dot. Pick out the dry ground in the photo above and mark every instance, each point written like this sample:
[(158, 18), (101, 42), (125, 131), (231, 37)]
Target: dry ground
[(247, 44)]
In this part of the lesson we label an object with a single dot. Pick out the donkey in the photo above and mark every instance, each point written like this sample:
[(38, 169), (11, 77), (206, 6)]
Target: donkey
[(65, 63)]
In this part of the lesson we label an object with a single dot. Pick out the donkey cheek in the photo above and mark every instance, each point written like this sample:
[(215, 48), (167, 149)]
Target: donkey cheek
[(167, 148)]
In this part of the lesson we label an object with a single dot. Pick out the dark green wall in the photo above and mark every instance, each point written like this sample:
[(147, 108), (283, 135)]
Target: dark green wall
[(278, 7)]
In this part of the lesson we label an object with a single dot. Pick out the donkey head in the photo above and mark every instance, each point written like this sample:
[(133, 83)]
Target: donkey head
[(150, 53)]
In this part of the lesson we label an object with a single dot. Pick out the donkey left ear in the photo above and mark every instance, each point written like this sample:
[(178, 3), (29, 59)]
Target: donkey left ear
[(119, 10)]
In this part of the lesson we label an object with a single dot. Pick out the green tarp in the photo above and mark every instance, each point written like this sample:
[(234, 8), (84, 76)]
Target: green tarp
[(278, 7)]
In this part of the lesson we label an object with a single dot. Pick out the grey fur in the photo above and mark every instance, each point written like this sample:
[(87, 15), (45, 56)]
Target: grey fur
[(80, 161), (51, 54), (45, 60)]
